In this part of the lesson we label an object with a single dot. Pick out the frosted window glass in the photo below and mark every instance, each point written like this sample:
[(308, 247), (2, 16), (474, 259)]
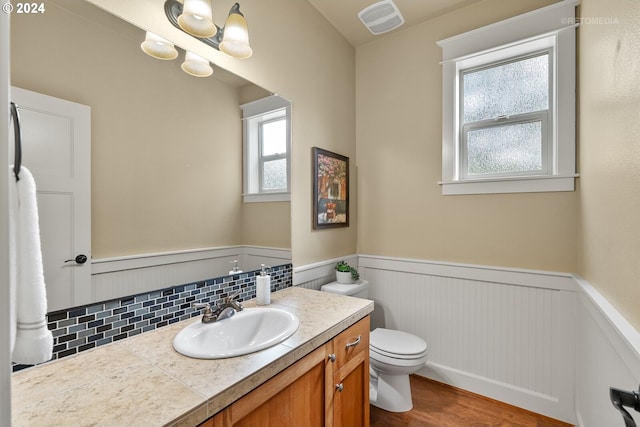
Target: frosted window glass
[(505, 149), (274, 175), (274, 137), (507, 89)]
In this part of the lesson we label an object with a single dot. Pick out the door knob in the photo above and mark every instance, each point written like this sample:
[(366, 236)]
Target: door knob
[(340, 387), (80, 259)]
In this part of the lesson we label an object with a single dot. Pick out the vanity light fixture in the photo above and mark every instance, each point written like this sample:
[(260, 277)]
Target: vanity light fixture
[(194, 18), (196, 65), (158, 47)]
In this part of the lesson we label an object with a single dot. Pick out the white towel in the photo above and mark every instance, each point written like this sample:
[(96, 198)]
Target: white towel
[(31, 340)]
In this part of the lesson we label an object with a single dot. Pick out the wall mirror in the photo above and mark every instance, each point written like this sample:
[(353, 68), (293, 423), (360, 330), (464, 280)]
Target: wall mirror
[(166, 155)]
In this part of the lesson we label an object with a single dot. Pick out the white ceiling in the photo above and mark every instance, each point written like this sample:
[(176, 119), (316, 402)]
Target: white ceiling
[(343, 14)]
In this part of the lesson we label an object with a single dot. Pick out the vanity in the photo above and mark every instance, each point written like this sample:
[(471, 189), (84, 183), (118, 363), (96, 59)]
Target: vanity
[(308, 379)]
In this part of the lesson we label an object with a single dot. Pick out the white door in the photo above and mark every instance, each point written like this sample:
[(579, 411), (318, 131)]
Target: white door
[(56, 148)]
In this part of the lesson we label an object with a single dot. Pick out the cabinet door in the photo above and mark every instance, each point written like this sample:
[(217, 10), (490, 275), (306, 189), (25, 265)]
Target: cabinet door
[(351, 393), (351, 376), (295, 397)]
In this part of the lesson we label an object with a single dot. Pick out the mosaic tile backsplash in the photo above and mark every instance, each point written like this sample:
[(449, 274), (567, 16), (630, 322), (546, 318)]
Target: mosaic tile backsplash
[(82, 328)]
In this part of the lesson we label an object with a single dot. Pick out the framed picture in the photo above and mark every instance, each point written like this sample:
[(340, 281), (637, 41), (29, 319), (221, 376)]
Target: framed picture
[(330, 189)]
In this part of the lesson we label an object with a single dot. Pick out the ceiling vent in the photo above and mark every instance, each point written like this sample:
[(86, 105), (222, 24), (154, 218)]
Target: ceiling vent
[(381, 17)]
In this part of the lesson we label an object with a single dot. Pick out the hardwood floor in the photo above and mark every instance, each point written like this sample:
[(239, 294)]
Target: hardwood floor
[(440, 405)]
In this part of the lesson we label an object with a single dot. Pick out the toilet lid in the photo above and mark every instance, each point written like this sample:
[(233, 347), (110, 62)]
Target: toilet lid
[(342, 289), (395, 343)]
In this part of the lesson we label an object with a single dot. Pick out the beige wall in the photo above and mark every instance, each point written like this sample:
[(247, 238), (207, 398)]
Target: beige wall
[(609, 129), (166, 147), (267, 224), (399, 151)]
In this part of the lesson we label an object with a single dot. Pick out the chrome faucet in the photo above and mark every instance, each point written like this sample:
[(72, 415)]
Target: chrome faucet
[(219, 312)]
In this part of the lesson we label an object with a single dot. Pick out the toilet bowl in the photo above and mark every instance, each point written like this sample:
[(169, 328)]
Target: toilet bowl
[(393, 356)]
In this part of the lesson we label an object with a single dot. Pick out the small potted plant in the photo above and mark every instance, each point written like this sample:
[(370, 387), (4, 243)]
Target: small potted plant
[(346, 274)]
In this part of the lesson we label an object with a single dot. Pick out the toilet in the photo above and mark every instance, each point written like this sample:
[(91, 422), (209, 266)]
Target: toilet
[(393, 356)]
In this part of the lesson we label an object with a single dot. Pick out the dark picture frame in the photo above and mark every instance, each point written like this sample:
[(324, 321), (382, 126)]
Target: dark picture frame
[(330, 189)]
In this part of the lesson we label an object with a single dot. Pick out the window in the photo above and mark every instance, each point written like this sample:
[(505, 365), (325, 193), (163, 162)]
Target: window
[(509, 105), (505, 118), (267, 147), (273, 155)]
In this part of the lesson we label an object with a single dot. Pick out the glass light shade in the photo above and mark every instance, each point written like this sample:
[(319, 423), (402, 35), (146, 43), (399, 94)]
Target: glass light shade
[(196, 65), (158, 47), (236, 37), (196, 18)]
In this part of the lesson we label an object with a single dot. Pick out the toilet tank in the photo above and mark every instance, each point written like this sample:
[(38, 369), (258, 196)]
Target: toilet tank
[(360, 289)]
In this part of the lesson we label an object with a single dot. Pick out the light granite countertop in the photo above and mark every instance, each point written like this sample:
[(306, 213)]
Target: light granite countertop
[(143, 381)]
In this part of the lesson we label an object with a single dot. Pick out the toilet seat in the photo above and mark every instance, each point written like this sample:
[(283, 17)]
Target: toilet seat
[(389, 364), (398, 358), (397, 344)]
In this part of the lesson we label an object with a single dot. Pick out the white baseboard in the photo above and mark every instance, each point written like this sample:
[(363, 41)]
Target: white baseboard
[(544, 341), (501, 391)]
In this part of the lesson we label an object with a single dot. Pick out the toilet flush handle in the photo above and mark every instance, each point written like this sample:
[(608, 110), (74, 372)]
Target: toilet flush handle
[(355, 343)]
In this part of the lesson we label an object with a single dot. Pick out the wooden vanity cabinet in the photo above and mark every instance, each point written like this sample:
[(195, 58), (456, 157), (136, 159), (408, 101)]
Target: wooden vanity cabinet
[(327, 388)]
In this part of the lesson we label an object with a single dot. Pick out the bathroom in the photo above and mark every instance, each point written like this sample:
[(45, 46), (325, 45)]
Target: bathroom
[(457, 270)]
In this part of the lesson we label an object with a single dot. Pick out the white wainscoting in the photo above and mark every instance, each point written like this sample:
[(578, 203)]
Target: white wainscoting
[(116, 277), (544, 341), (503, 333), (313, 276), (608, 355)]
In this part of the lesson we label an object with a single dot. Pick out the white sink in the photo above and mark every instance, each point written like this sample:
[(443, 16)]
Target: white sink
[(249, 330)]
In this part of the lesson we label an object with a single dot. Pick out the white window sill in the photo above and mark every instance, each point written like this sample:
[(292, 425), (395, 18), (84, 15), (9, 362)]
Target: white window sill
[(266, 197), (533, 184)]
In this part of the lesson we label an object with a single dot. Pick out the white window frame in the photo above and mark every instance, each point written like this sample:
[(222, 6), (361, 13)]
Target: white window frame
[(539, 30), (254, 114)]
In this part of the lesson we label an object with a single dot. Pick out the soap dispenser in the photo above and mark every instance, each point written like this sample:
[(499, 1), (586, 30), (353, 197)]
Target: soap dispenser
[(236, 269), (263, 287)]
